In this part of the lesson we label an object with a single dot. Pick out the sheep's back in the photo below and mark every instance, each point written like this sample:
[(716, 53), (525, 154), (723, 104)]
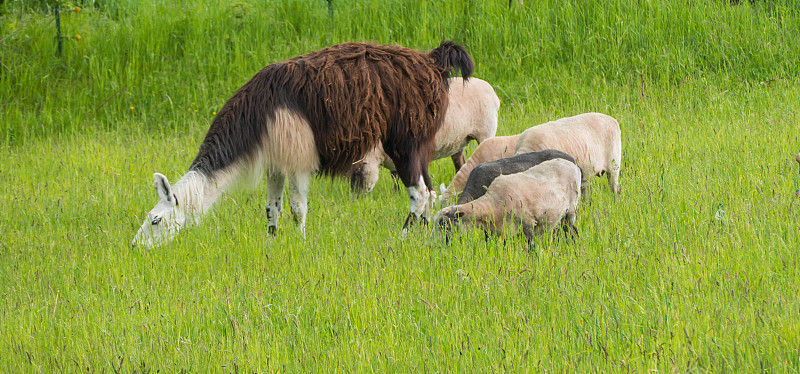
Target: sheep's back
[(542, 193), (484, 174), (591, 138), (471, 113)]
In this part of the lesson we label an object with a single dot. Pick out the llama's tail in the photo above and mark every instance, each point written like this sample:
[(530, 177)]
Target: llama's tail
[(452, 55)]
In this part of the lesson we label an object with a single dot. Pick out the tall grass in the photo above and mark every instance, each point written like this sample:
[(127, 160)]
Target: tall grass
[(693, 268), (166, 59)]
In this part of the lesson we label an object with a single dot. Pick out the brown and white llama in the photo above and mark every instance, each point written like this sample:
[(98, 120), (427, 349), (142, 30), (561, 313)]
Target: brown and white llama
[(317, 113)]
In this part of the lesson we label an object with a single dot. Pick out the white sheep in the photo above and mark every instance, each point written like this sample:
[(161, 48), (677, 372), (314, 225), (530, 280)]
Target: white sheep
[(471, 114), (490, 150), (594, 139), (531, 202)]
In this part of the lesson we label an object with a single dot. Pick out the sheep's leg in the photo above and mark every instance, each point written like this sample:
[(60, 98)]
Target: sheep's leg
[(527, 230), (274, 201), (458, 160), (568, 225), (298, 194), (613, 177), (569, 230)]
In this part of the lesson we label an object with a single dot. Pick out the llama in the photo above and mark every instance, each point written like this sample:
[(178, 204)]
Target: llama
[(317, 113), (471, 115)]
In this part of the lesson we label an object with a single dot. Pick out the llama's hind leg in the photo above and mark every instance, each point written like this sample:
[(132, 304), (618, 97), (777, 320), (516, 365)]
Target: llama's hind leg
[(275, 182), (298, 195)]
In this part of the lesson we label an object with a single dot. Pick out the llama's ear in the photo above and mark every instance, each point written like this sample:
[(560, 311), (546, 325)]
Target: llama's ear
[(162, 187)]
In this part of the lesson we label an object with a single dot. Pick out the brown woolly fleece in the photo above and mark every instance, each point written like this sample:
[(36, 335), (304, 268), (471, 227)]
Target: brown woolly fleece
[(352, 95)]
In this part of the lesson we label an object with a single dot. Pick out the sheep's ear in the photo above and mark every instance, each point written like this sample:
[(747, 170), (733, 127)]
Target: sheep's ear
[(455, 214), (162, 187)]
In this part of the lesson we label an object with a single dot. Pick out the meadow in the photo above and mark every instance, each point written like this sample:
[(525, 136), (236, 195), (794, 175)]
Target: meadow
[(693, 268)]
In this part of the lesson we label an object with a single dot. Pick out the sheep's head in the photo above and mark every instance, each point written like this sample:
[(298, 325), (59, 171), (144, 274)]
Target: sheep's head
[(165, 220), (446, 220)]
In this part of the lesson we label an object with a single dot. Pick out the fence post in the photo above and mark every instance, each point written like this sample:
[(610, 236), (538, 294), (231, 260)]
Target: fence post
[(58, 29), (330, 16)]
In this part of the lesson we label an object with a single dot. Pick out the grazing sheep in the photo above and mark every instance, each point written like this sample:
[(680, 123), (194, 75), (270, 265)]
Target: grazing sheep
[(471, 114), (533, 202), (320, 112), (484, 174), (490, 150), (594, 139), (797, 157)]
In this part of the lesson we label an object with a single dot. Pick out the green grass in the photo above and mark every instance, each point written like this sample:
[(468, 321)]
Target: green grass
[(655, 282)]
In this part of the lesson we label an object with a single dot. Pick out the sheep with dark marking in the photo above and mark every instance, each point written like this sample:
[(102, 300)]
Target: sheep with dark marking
[(492, 149), (531, 202), (471, 115), (594, 139), (484, 174)]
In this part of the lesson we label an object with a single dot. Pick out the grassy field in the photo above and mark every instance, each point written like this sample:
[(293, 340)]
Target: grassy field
[(693, 268)]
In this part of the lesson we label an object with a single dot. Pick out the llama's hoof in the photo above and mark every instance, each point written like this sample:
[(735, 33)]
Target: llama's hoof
[(410, 219)]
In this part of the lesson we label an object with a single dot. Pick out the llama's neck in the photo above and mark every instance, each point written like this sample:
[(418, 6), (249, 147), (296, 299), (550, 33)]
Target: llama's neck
[(198, 192)]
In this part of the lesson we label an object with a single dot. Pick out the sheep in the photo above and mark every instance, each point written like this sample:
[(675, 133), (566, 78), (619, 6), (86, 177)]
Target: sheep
[(482, 176), (594, 139), (471, 114), (797, 157), (533, 202), (492, 149)]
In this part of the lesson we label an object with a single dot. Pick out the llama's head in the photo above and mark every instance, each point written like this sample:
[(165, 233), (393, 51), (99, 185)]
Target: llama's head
[(163, 221)]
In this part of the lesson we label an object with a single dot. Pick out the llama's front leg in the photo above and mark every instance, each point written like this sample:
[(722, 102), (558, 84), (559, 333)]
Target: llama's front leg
[(298, 195), (418, 197), (274, 201)]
